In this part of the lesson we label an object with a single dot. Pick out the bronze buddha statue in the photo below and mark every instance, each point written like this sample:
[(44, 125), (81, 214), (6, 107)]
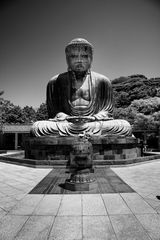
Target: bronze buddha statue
[(80, 100)]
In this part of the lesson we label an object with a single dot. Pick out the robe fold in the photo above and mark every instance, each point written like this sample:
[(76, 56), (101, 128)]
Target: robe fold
[(100, 105)]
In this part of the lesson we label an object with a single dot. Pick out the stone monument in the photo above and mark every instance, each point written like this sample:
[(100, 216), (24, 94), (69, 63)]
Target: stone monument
[(80, 102)]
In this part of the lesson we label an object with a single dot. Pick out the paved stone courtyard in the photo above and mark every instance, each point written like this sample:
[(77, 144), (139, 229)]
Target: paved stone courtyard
[(110, 216)]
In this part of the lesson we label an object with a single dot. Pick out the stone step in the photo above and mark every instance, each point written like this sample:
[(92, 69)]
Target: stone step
[(64, 163)]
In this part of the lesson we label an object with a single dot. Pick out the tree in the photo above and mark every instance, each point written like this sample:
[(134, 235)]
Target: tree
[(124, 113), (29, 114), (121, 99), (42, 113), (134, 87), (12, 114), (156, 117), (142, 114), (144, 122), (146, 106), (5, 106)]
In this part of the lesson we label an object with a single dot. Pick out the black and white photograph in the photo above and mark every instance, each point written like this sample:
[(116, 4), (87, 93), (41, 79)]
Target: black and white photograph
[(80, 120)]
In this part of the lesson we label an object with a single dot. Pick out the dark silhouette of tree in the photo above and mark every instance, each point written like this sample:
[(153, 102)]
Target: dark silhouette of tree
[(12, 114), (42, 113), (126, 90), (29, 114)]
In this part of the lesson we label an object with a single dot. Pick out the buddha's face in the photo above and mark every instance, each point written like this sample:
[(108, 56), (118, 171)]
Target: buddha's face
[(79, 59)]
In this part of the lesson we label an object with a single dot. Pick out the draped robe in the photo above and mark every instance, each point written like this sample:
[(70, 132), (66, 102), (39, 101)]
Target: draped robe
[(100, 105)]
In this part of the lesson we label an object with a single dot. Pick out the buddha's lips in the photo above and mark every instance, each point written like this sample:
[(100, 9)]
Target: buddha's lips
[(79, 66), (80, 106)]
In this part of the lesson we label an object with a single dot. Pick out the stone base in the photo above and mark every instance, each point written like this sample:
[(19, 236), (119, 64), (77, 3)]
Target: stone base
[(106, 148), (74, 186), (2, 151)]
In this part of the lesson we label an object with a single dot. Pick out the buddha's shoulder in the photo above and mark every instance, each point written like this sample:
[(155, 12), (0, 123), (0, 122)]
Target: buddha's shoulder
[(57, 77), (98, 77)]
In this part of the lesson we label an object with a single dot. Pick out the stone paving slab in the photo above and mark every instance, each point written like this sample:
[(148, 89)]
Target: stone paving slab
[(152, 200), (10, 226), (27, 205), (93, 205), (49, 205), (71, 205), (2, 213), (109, 216), (136, 203), (36, 227), (144, 178), (151, 223), (7, 202), (67, 227), (97, 227), (127, 227), (115, 204)]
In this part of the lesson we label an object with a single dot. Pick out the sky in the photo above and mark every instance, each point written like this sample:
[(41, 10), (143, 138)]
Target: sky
[(33, 35)]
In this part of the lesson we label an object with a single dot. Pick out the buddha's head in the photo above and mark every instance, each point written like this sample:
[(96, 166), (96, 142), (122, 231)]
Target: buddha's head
[(79, 55)]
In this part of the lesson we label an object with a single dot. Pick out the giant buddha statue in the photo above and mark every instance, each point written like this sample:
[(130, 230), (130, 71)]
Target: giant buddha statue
[(80, 100)]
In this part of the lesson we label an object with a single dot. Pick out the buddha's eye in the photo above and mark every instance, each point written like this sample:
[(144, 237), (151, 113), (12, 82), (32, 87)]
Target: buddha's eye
[(72, 56), (85, 56)]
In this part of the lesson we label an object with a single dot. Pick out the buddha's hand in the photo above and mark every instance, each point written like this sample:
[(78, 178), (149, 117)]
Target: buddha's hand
[(80, 119), (90, 118), (59, 117)]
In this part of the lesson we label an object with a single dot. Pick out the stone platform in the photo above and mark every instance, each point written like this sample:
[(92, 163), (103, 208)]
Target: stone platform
[(111, 148)]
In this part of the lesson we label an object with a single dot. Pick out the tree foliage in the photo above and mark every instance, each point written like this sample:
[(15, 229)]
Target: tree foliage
[(42, 113), (146, 106), (29, 114), (12, 114), (5, 107), (144, 122), (143, 114), (128, 89), (137, 99)]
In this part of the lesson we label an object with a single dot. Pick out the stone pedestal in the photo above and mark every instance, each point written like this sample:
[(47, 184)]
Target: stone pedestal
[(112, 148), (81, 166), (77, 185)]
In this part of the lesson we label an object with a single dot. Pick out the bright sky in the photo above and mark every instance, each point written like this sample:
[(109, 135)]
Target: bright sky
[(34, 33)]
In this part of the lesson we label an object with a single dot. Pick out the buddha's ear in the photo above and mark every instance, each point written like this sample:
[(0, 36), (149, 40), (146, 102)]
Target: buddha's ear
[(91, 59), (67, 61), (69, 69)]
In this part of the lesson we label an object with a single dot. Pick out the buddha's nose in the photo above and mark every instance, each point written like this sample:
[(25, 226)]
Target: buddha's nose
[(79, 59)]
